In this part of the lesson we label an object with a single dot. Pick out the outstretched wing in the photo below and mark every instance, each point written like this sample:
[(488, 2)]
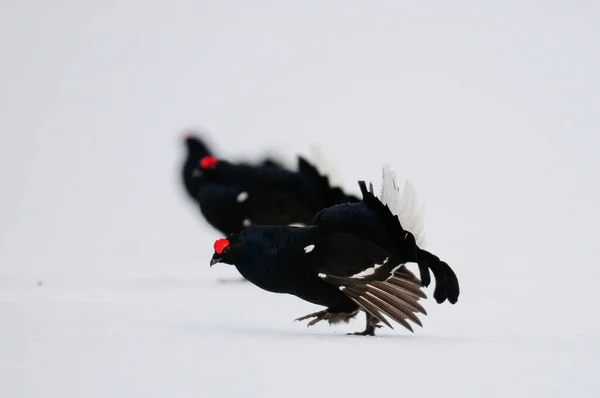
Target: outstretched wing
[(370, 276)]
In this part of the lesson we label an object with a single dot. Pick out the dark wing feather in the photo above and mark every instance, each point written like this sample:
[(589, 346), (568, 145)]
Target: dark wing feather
[(370, 276), (327, 195), (267, 205)]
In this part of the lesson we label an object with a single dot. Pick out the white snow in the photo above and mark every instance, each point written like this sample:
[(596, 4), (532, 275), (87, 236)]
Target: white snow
[(105, 284)]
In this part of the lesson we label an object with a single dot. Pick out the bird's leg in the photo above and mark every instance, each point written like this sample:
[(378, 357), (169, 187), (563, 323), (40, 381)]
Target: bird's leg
[(325, 315), (319, 316), (372, 323)]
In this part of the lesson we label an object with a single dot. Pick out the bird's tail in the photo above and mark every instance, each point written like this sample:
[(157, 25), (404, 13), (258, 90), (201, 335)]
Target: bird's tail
[(411, 216), (327, 194), (325, 167), (406, 205)]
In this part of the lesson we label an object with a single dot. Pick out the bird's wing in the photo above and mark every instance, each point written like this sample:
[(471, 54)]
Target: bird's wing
[(369, 276), (327, 193), (325, 167), (267, 205), (276, 157)]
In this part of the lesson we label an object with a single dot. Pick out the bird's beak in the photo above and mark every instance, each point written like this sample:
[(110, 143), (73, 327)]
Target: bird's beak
[(215, 260)]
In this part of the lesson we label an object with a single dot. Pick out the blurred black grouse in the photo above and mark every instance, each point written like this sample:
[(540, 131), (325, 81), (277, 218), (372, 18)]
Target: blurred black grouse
[(352, 257), (234, 196)]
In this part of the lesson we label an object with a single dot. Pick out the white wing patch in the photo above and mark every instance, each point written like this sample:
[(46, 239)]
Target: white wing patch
[(405, 206), (309, 248), (246, 222), (242, 196), (369, 271), (296, 224)]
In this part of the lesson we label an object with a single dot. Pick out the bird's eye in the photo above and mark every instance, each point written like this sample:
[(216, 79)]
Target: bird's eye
[(227, 249)]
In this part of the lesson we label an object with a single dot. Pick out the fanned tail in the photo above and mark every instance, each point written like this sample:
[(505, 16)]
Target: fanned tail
[(327, 194), (405, 206), (410, 214)]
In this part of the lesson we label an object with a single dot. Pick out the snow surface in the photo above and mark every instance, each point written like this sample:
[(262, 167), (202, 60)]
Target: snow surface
[(490, 111)]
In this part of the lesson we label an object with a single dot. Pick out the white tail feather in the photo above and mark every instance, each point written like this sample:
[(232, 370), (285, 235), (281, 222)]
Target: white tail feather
[(405, 206), (324, 167)]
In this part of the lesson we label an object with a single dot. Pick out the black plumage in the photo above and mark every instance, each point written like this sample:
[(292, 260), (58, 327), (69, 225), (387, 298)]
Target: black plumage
[(233, 196), (351, 257)]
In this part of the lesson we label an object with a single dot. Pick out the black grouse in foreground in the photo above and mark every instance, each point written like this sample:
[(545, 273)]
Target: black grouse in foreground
[(351, 257), (233, 196)]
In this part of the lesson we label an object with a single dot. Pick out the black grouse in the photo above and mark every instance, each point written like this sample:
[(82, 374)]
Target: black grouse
[(351, 257), (196, 150), (233, 196)]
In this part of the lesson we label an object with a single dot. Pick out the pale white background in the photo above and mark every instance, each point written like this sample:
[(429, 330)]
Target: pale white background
[(490, 110)]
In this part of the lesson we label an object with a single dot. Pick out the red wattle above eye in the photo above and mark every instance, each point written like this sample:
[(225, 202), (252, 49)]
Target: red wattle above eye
[(208, 161), (220, 245)]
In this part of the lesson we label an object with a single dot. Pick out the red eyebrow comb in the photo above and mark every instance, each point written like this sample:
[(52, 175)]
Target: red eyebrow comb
[(220, 245), (208, 161)]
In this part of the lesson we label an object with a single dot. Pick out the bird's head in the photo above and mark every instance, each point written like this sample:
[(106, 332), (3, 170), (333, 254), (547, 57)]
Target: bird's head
[(208, 163), (209, 167), (225, 251), (196, 146), (190, 140), (245, 247)]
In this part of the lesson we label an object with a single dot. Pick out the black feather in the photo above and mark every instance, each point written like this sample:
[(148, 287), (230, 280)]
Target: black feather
[(351, 257), (233, 196)]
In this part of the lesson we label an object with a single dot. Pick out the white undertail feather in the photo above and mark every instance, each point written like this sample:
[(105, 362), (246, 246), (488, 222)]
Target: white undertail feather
[(324, 167), (406, 205)]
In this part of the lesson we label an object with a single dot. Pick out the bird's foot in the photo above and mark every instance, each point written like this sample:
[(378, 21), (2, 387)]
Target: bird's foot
[(331, 317), (363, 333), (369, 331), (319, 316), (372, 324)]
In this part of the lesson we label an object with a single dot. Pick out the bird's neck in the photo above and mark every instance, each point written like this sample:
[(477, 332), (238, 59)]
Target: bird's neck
[(264, 274), (275, 263), (189, 179)]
